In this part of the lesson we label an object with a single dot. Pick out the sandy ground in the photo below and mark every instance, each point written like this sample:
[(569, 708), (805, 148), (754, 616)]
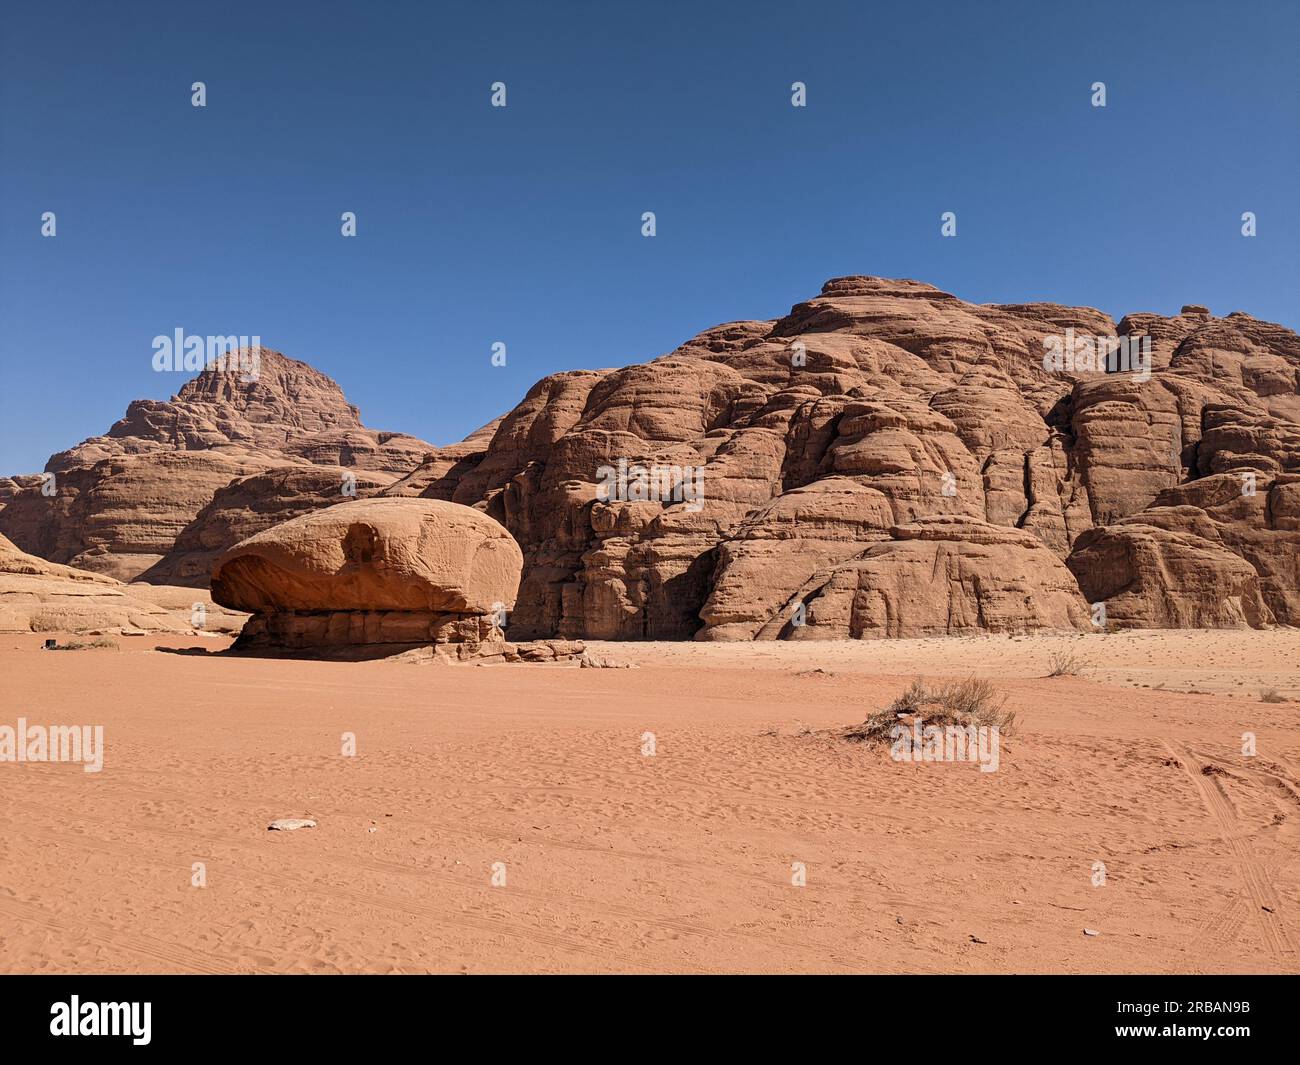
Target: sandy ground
[(617, 861)]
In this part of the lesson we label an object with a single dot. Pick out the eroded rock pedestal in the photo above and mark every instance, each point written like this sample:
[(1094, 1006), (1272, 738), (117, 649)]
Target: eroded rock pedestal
[(373, 578)]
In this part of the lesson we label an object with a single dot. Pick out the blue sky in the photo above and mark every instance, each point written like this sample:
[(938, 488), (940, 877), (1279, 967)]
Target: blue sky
[(522, 224)]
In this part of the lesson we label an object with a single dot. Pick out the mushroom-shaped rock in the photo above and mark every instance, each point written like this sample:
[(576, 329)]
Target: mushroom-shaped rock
[(373, 576)]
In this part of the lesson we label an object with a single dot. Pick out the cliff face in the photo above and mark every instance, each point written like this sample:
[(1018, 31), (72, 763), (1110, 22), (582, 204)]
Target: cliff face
[(886, 460)]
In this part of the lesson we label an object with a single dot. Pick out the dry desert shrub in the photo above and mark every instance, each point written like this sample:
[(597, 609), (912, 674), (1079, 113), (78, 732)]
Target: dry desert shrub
[(1272, 695), (82, 645), (962, 703), (1065, 664)]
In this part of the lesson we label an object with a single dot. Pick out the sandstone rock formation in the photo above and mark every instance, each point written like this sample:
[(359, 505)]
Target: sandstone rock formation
[(374, 576), (40, 596), (935, 576), (123, 503), (1221, 551), (888, 460), (885, 460)]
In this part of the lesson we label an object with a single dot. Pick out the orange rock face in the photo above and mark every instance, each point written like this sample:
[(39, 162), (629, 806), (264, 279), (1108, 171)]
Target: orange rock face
[(374, 554), (886, 460)]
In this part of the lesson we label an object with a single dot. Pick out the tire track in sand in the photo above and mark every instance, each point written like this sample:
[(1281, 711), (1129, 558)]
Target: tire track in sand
[(1259, 887)]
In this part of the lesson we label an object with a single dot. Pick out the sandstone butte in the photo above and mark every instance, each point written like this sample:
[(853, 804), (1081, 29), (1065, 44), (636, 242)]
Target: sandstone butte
[(887, 460)]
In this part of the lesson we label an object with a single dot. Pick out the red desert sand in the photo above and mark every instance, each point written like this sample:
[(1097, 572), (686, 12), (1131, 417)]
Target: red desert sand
[(504, 818)]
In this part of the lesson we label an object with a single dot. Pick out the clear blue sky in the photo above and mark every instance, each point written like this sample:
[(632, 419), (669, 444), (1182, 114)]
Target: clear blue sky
[(523, 224)]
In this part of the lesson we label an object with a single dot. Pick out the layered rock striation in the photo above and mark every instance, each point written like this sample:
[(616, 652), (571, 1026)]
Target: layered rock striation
[(889, 460)]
